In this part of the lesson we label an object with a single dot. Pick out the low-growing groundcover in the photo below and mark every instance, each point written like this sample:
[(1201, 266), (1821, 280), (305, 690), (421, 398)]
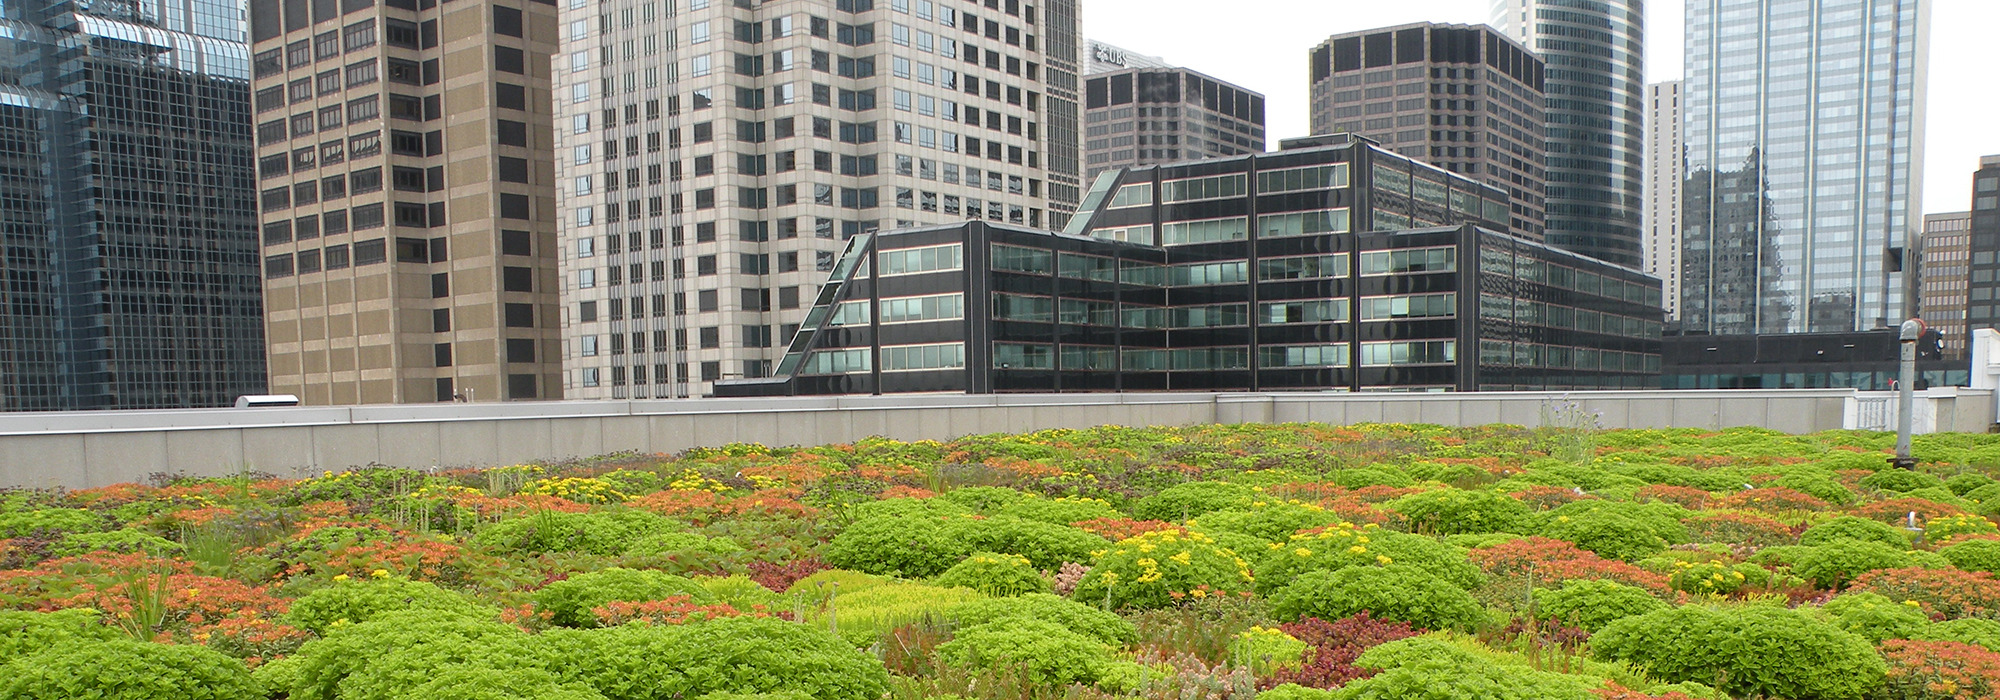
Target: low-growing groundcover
[(1290, 562)]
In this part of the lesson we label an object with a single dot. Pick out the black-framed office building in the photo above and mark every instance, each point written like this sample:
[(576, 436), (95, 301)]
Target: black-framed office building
[(1364, 271), (1864, 360)]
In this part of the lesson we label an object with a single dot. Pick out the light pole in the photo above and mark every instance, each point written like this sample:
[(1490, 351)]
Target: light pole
[(1905, 385)]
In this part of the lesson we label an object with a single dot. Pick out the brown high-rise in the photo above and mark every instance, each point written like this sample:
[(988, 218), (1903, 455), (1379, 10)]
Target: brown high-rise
[(1462, 97), (407, 198)]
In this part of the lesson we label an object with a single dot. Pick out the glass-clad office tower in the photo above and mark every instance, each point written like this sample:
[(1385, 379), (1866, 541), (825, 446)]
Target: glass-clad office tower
[(127, 228), (1804, 139), (1596, 88)]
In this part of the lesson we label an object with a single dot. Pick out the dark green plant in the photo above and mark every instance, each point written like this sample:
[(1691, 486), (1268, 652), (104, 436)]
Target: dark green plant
[(1900, 480), (1731, 649), (1833, 564), (472, 682)]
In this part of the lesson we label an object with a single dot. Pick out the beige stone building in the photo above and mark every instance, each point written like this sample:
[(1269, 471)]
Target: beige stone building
[(1945, 276), (715, 156), (407, 199)]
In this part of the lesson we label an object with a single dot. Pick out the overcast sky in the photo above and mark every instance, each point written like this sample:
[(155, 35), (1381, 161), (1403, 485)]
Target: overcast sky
[(1262, 45)]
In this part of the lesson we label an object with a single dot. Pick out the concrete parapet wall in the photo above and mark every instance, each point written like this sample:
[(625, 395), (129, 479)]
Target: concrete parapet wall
[(88, 449)]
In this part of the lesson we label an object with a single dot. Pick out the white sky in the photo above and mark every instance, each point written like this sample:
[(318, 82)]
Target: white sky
[(1262, 45)]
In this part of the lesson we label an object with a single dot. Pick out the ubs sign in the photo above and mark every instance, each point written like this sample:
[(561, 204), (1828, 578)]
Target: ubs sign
[(1106, 54)]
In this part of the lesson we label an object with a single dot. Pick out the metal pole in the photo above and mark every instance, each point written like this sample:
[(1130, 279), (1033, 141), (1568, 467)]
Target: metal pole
[(1905, 385)]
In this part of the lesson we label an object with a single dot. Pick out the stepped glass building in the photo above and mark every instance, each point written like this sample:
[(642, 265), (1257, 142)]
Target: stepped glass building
[(1333, 265), (128, 237), (714, 157)]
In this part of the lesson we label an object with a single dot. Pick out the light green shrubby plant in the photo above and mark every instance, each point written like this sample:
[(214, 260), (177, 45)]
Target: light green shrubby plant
[(1105, 627), (569, 602), (358, 601), (1267, 521), (1591, 603), (1432, 667), (984, 499), (1046, 653), (1969, 630), (746, 655), (122, 669), (23, 633), (1875, 617), (1345, 545), (995, 575), (1848, 527), (1266, 649), (1153, 569), (1833, 564), (1393, 592), (383, 658), (1454, 512), (1728, 648), (1180, 502), (602, 532), (51, 520), (471, 682), (1059, 511), (861, 617), (1974, 555), (666, 543), (124, 541)]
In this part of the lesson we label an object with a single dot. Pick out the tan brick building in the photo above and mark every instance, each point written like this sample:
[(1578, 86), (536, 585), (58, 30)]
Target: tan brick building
[(407, 201)]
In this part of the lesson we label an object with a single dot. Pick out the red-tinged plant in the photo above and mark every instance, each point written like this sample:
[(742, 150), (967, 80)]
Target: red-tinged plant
[(1550, 562), (113, 495), (251, 638), (440, 562), (1740, 529), (779, 576), (671, 610), (676, 503), (1329, 663), (1548, 497), (1381, 493), (1949, 593), (901, 491), (1116, 529), (781, 502), (796, 469), (1686, 496), (1771, 499), (325, 509), (1896, 511), (1613, 691), (1940, 670)]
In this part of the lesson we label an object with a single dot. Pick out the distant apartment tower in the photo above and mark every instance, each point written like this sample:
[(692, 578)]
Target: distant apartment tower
[(1462, 97), (1148, 113), (1945, 272), (1596, 105), (716, 156), (126, 214), (1983, 284), (408, 202), (1663, 190), (1804, 139)]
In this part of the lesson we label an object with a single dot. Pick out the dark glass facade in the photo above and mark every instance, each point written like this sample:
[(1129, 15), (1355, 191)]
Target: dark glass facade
[(1364, 271), (1865, 360), (127, 212), (1982, 288)]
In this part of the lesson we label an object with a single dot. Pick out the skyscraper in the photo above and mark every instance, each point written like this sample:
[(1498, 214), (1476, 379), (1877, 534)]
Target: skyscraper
[(408, 202), (1148, 113), (126, 209), (1462, 97), (1596, 109), (1983, 273), (1945, 273), (1663, 190), (1804, 137), (715, 156)]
